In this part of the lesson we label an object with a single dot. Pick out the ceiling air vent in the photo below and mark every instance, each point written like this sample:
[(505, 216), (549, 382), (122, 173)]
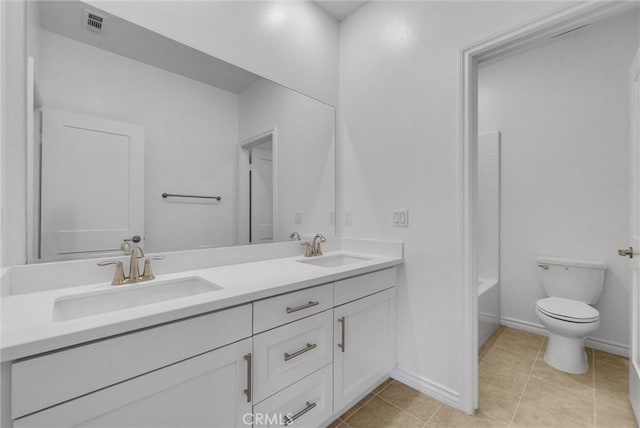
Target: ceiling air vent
[(93, 21)]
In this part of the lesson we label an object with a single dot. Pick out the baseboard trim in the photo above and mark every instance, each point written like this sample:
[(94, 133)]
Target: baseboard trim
[(595, 343), (610, 347), (428, 387)]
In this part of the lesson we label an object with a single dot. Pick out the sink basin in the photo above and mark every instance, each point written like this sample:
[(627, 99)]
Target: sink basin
[(333, 261), (128, 296)]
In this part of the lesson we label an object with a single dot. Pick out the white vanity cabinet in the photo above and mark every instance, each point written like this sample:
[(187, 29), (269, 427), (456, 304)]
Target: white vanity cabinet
[(295, 359), (364, 352), (203, 391)]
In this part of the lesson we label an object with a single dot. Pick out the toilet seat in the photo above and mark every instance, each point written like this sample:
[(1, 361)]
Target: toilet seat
[(568, 310)]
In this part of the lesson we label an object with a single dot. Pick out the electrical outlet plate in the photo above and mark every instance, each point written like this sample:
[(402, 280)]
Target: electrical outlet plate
[(348, 217), (298, 217), (400, 218), (332, 217)]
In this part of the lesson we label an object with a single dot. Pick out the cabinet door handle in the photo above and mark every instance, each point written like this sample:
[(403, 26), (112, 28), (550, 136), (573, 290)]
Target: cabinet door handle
[(309, 347), (301, 307), (249, 380), (343, 321), (289, 419)]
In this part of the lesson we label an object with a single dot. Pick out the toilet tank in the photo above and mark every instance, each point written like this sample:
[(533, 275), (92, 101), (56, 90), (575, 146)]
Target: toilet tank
[(580, 280)]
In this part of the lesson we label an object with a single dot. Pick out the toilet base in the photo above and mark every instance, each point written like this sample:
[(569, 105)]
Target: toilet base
[(566, 354)]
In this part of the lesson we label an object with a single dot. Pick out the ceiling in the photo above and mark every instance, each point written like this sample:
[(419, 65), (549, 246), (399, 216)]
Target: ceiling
[(121, 37), (340, 9)]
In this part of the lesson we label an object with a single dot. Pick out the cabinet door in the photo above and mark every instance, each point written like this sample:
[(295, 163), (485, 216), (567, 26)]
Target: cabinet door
[(207, 390), (364, 352)]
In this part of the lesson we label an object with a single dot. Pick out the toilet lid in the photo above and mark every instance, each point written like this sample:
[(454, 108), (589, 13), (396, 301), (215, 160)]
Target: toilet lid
[(568, 310)]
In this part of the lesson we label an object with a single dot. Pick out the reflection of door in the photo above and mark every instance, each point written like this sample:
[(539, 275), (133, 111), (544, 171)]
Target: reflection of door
[(92, 184), (634, 366), (261, 191)]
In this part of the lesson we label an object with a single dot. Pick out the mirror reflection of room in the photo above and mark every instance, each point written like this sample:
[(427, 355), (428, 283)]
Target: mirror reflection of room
[(123, 116)]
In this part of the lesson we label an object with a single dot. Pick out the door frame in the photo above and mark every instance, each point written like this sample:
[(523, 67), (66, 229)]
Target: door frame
[(634, 367), (506, 43), (243, 169)]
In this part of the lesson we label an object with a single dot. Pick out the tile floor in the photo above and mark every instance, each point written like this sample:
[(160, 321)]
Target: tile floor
[(517, 389)]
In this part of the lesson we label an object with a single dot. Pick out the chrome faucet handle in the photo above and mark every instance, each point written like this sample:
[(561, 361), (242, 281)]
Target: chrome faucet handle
[(125, 247), (147, 274), (308, 249), (118, 275)]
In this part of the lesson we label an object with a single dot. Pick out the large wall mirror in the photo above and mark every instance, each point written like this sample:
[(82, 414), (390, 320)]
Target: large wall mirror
[(136, 135)]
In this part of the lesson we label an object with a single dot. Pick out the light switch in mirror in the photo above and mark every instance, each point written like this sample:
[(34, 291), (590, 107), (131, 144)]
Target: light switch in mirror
[(128, 115)]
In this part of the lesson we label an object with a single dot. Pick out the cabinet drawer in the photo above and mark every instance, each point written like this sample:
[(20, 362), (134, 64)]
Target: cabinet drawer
[(309, 401), (203, 391), (279, 310), (49, 379), (351, 289), (288, 353)]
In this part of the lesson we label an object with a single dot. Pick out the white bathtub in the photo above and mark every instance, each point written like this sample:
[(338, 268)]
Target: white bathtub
[(488, 308)]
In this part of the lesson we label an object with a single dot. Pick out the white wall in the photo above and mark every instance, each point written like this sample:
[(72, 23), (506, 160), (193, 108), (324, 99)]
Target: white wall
[(400, 148), (294, 43), (191, 130), (305, 153), (488, 248), (563, 110)]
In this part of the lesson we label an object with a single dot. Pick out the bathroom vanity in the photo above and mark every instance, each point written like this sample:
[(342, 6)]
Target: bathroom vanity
[(292, 341)]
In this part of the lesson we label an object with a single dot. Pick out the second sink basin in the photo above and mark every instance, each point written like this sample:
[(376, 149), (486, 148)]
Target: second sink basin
[(128, 296), (336, 260)]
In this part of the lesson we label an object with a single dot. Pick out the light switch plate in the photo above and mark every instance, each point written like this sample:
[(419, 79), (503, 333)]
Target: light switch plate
[(400, 218)]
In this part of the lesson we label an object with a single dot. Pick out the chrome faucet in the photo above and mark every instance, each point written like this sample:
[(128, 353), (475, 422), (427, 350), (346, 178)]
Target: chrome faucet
[(314, 248), (134, 269), (315, 244), (295, 236)]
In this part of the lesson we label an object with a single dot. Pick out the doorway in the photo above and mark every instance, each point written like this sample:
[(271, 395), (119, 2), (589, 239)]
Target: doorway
[(257, 189), (507, 44)]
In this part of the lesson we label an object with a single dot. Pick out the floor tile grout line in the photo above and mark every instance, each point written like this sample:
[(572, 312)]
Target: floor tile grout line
[(385, 387), (410, 414), (433, 415), (515, 411), (357, 409), (402, 410)]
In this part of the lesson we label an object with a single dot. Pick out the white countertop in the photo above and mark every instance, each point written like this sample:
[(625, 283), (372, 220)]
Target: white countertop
[(28, 327)]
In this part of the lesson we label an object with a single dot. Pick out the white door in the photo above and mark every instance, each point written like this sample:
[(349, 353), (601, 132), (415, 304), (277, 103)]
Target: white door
[(92, 184), (634, 366), (204, 391), (262, 193), (364, 346)]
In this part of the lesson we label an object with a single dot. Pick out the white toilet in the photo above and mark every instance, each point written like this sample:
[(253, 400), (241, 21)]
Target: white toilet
[(572, 286)]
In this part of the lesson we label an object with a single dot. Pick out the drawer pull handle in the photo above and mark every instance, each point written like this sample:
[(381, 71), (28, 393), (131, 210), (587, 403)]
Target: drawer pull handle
[(301, 307), (343, 321), (249, 380), (289, 419), (309, 347)]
